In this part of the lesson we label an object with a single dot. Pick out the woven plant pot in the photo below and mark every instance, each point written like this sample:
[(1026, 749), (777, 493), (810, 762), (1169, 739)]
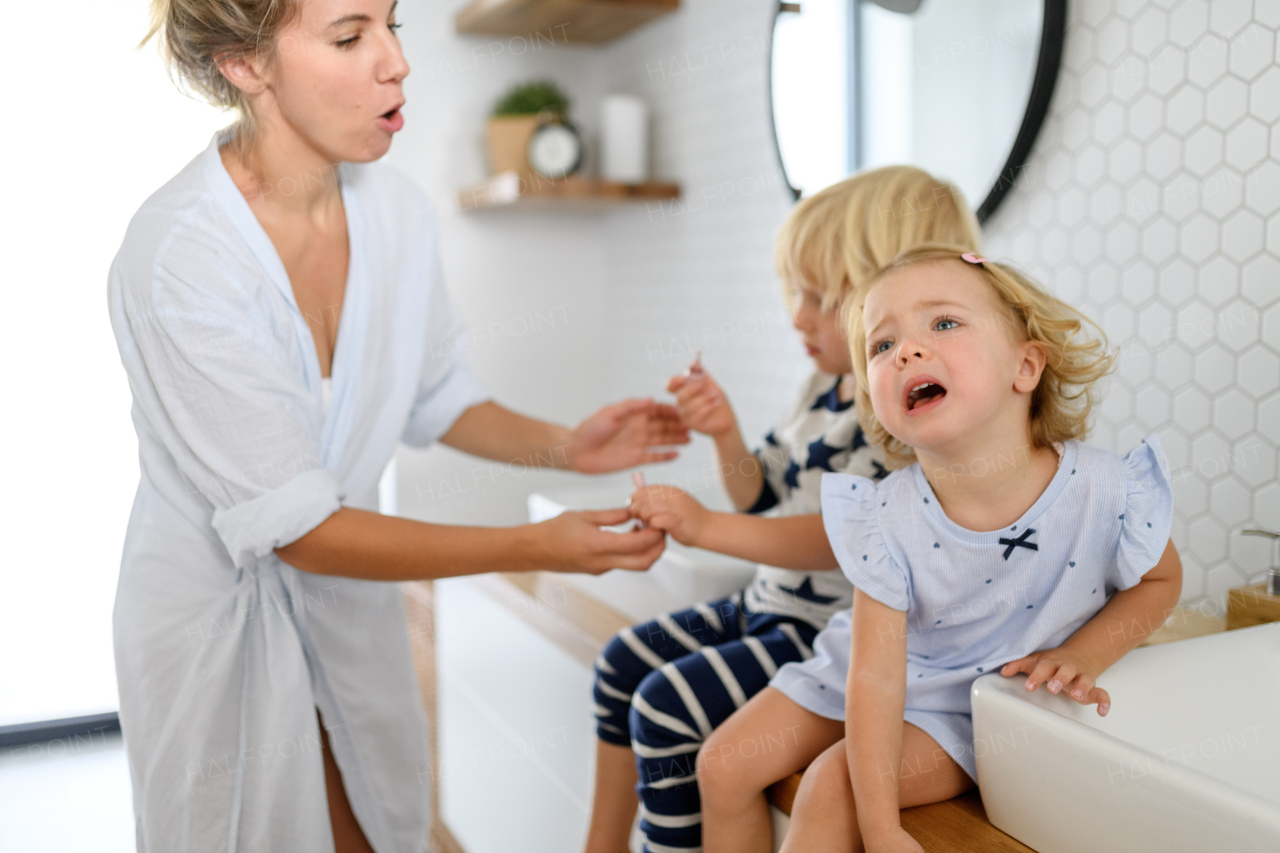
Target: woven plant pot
[(507, 138)]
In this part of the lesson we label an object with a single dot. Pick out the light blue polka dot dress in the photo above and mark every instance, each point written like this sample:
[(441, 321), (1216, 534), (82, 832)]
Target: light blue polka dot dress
[(975, 601)]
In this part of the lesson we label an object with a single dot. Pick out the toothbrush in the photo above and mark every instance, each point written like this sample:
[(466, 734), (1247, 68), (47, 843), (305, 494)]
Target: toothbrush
[(695, 369), (637, 480)]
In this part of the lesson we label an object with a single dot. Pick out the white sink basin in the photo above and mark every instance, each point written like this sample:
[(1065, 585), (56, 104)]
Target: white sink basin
[(1188, 759)]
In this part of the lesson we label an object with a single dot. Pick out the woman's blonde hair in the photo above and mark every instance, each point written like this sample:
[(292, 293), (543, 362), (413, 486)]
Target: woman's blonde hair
[(835, 239), (1061, 402), (195, 35)]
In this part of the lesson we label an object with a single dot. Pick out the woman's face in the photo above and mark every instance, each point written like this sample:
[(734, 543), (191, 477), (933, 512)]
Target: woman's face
[(335, 77), (823, 338)]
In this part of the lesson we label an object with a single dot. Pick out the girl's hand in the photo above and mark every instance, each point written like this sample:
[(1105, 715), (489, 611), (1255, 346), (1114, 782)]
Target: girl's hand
[(574, 542), (1063, 669), (668, 509), (702, 404), (899, 841)]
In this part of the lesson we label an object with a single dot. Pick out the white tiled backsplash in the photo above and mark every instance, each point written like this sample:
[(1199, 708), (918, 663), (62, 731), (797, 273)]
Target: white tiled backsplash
[(1151, 201)]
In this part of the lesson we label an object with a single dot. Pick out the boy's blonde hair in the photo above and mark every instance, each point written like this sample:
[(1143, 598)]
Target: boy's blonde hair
[(835, 239), (1060, 404)]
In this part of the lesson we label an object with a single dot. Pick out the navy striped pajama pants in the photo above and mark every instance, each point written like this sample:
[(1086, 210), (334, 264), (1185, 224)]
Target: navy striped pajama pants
[(661, 688)]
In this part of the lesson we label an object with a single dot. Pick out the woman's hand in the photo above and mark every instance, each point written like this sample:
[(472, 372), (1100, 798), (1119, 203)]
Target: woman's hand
[(669, 509), (1063, 669), (623, 435), (702, 404), (574, 542)]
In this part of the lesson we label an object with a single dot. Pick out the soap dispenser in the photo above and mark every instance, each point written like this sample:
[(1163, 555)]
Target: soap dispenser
[(1273, 576), (1260, 603)]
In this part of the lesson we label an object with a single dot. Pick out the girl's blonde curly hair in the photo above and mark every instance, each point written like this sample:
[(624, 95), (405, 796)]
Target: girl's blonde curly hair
[(1074, 362)]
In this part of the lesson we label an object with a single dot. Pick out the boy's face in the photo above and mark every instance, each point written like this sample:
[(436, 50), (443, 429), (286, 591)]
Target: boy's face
[(946, 365), (824, 340)]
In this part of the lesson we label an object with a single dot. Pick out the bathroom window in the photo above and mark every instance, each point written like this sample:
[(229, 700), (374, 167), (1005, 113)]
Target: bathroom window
[(92, 127)]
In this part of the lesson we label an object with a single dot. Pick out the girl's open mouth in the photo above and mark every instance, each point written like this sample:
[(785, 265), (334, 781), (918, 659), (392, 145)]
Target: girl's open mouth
[(923, 393)]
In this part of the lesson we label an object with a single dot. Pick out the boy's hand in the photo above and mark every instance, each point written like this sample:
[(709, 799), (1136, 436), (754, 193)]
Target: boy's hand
[(1063, 669), (702, 404), (671, 510)]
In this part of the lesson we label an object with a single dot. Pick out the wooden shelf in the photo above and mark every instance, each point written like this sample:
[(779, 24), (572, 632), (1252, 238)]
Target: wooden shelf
[(556, 21), (511, 190)]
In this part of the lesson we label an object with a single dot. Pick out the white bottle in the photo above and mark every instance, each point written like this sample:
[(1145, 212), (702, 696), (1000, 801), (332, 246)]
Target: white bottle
[(624, 139)]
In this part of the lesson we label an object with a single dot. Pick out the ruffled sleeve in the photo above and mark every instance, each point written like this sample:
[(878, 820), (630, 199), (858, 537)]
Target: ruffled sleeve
[(849, 516), (1148, 513)]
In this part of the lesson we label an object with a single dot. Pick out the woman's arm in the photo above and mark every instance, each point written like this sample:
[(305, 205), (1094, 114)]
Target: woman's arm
[(491, 431), (790, 542), (875, 695), (359, 544), (618, 436), (1126, 620)]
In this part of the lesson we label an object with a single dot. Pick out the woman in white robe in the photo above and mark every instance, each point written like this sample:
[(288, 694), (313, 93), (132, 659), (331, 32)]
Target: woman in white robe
[(267, 695)]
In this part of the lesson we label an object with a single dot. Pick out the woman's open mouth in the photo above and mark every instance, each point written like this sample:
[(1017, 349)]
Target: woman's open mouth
[(923, 393), (392, 120)]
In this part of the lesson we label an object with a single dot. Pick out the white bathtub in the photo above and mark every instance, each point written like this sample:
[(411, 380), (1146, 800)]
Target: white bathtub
[(1188, 759)]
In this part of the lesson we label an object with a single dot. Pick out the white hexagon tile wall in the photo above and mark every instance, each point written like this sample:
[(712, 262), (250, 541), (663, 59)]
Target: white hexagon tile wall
[(1152, 201)]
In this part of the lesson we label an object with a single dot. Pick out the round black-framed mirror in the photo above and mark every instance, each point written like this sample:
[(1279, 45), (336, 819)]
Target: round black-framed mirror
[(855, 55)]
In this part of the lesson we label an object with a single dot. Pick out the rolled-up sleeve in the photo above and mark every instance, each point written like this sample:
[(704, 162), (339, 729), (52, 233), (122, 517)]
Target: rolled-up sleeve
[(222, 392), (441, 403), (254, 528)]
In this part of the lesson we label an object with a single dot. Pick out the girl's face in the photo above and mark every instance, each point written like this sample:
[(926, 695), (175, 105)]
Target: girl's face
[(823, 339), (335, 77), (946, 364)]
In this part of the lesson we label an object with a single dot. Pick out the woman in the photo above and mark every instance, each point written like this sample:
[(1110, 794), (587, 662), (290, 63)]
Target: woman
[(267, 695)]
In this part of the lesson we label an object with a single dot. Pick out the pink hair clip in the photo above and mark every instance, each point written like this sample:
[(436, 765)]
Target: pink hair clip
[(973, 259)]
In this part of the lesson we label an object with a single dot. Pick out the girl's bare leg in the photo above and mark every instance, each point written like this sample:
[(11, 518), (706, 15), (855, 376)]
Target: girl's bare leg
[(613, 805), (824, 818), (765, 740)]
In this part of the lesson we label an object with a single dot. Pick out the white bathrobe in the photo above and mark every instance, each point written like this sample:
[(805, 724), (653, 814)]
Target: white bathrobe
[(223, 652)]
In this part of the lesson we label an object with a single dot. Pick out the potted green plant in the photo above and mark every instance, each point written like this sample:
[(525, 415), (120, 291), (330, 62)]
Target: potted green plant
[(516, 117)]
